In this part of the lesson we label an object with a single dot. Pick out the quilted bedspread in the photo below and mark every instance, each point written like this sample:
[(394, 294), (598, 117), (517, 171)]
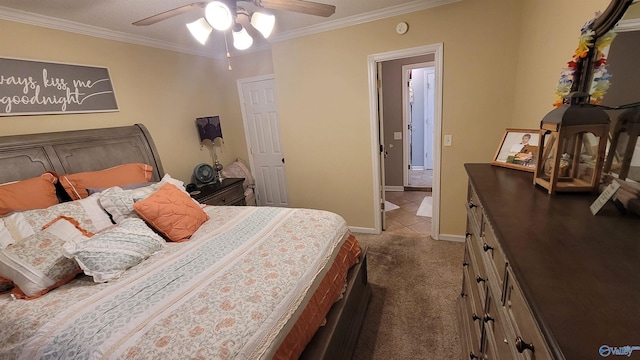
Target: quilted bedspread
[(225, 294)]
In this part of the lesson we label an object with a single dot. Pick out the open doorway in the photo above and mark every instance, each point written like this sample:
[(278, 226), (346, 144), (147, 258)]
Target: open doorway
[(418, 99), (388, 143)]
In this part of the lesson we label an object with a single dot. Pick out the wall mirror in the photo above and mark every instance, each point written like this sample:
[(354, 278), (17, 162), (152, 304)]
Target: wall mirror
[(623, 158)]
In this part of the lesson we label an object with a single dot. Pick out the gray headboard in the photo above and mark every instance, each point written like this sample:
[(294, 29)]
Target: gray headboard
[(68, 152)]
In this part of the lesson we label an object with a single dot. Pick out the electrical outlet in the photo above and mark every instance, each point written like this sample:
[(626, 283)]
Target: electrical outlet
[(447, 140), (397, 135)]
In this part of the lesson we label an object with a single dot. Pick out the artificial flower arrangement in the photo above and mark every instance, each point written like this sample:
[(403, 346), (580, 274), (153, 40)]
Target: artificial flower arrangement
[(601, 78)]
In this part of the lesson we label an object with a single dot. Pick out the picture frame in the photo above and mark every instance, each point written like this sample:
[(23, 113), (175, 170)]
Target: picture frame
[(518, 149)]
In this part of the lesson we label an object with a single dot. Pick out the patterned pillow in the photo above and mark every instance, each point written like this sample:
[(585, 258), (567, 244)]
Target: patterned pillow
[(36, 264), (108, 254), (87, 212), (172, 212), (119, 202)]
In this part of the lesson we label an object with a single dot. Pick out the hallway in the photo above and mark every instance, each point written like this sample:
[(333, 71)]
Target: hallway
[(421, 179), (404, 221)]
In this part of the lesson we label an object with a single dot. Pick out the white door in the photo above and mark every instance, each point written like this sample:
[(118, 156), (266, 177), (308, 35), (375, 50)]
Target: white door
[(383, 151), (262, 128), (429, 112)]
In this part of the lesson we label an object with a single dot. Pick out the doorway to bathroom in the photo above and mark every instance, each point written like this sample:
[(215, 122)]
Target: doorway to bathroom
[(418, 122)]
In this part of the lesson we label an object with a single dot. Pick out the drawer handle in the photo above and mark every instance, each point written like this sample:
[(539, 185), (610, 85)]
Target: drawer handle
[(479, 279), (475, 317), (486, 247), (521, 345), (487, 318), (473, 356), (472, 205)]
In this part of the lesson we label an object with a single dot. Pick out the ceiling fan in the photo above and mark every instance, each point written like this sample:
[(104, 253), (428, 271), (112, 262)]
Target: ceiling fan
[(224, 14)]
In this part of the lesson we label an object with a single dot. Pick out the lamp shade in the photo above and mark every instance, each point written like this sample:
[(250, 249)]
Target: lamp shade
[(242, 40), (200, 29), (209, 128), (218, 15), (263, 22)]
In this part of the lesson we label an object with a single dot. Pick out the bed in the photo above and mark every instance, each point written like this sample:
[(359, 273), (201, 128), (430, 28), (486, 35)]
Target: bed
[(244, 282)]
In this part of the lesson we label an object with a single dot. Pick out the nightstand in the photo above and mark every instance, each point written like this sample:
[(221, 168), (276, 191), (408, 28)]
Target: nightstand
[(229, 192)]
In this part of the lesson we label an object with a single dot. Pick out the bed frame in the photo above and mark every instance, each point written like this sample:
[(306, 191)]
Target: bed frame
[(68, 152)]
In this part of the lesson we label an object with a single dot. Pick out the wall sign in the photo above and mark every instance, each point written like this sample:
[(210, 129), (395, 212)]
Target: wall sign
[(33, 87)]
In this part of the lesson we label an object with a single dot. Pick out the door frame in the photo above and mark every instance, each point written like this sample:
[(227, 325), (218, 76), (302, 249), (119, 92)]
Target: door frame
[(406, 109), (372, 60)]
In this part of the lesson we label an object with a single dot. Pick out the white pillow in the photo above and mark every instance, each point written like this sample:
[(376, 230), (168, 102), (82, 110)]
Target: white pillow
[(5, 236), (87, 212), (36, 264), (108, 254)]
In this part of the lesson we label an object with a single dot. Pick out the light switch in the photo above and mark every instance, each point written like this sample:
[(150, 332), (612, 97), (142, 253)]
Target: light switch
[(447, 140), (397, 135)]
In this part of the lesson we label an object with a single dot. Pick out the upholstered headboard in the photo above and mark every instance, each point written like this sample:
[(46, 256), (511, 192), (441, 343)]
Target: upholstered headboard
[(68, 152)]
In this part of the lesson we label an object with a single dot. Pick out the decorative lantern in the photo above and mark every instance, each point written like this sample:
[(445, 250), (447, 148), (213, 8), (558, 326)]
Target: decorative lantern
[(573, 140), (627, 130)]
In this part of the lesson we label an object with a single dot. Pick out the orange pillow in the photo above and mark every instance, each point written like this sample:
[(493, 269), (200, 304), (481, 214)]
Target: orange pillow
[(171, 212), (76, 184), (30, 194)]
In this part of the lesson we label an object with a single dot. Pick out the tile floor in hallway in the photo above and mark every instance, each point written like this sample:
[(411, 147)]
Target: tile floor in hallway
[(404, 221)]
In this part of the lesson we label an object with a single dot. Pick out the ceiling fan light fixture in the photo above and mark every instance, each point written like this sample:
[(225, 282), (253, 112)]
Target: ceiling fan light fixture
[(200, 29), (241, 39), (263, 23), (218, 15)]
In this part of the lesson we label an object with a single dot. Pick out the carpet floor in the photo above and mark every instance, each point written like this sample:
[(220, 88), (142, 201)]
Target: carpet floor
[(415, 282)]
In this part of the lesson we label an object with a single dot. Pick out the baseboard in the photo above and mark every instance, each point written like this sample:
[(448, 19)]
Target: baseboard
[(393, 188), (447, 237), (357, 229)]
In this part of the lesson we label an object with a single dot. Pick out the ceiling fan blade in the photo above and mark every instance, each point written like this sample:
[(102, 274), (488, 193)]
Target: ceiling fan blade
[(301, 6), (169, 13)]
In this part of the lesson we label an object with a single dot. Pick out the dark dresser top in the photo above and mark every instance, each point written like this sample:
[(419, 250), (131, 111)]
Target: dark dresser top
[(580, 273)]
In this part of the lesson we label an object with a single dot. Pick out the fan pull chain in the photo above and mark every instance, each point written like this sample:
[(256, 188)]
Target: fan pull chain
[(227, 47)]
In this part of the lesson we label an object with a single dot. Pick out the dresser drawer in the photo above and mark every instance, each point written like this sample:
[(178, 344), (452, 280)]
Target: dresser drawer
[(492, 252), (526, 330), (232, 195), (478, 275), (498, 332), (472, 292), (469, 316), (473, 206)]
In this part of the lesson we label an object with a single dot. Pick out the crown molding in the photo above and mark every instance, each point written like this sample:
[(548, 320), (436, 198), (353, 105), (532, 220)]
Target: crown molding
[(414, 6), (89, 30), (94, 31)]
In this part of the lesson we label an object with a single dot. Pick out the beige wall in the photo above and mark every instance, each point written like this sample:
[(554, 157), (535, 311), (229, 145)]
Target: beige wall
[(164, 90), (501, 62), (477, 91), (549, 36)]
